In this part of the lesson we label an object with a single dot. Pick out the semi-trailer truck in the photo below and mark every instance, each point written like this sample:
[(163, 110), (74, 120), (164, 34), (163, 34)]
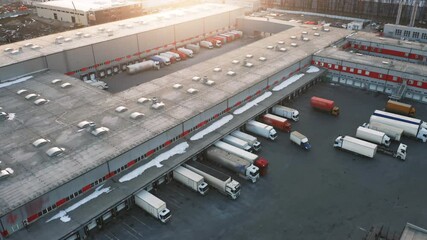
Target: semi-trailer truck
[(220, 181), (152, 205), (286, 112), (237, 142), (356, 145), (216, 43), (300, 140), (182, 55), (191, 179), (175, 55), (411, 127), (142, 66), (253, 141), (195, 47), (162, 61), (261, 129), (368, 149), (373, 136), (170, 56), (234, 163), (400, 108), (277, 122), (206, 44), (256, 160), (393, 132), (325, 105), (187, 52)]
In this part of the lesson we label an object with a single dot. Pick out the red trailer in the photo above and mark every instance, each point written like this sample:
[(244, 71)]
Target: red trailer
[(222, 38), (215, 42), (181, 54), (218, 38), (228, 37), (277, 122), (325, 105), (262, 164)]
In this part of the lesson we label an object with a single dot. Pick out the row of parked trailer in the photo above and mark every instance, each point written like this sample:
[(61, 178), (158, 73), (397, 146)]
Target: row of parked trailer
[(175, 55)]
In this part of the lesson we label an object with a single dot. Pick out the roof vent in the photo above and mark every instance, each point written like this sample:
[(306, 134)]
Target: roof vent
[(156, 103), (359, 54), (110, 32), (192, 90), (85, 124), (22, 91), (136, 115), (79, 34), (143, 100), (231, 73), (262, 59), (28, 45), (59, 39), (196, 78), (249, 56), (177, 86), (304, 32), (14, 52), (56, 81), (35, 47), (55, 151), (40, 142), (66, 85), (270, 47), (8, 49), (294, 44), (326, 30), (385, 63), (31, 96), (217, 69), (3, 116), (99, 131), (101, 29), (206, 81), (129, 26), (6, 172), (40, 101), (316, 34), (68, 39), (306, 39), (121, 109), (314, 28), (247, 64), (87, 35), (235, 61), (281, 42), (293, 37)]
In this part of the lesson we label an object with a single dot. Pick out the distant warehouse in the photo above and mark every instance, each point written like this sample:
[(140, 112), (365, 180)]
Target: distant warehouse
[(89, 12)]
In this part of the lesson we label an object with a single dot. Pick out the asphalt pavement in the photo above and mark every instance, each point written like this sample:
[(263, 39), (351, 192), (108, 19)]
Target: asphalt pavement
[(319, 194)]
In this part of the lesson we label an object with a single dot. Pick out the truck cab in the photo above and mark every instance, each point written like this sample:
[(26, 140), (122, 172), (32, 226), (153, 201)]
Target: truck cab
[(338, 141), (165, 215), (233, 189), (203, 188), (253, 173), (401, 151)]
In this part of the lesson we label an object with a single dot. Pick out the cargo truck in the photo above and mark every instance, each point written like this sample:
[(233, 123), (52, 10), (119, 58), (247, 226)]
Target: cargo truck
[(187, 52), (206, 44), (261, 129), (373, 136), (142, 66), (171, 57), (216, 43), (234, 163), (218, 180), (175, 55), (368, 149), (300, 140), (253, 141), (400, 108), (285, 112), (277, 122), (411, 127), (256, 160), (98, 84), (393, 132), (191, 179), (182, 55), (325, 105), (237, 142), (162, 61), (356, 145), (222, 38), (193, 47), (228, 37), (152, 205)]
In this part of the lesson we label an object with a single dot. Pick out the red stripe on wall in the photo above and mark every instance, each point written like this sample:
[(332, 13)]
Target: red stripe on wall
[(216, 115), (33, 217), (185, 133), (118, 59), (151, 152), (70, 73), (109, 175), (167, 143), (237, 104), (202, 124), (5, 233), (131, 163), (83, 69), (60, 202), (87, 187), (248, 98)]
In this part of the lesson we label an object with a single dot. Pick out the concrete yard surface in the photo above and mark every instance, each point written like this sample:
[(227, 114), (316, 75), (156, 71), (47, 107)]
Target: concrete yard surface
[(323, 193)]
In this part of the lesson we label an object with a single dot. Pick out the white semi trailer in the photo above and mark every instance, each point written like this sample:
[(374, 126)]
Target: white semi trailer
[(261, 129), (234, 163), (237, 142), (142, 66), (253, 141), (153, 205), (411, 127), (356, 145), (393, 132), (220, 181), (373, 136), (191, 179), (285, 112)]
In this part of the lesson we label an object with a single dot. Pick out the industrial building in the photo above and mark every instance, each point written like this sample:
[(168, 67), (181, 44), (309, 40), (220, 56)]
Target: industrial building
[(405, 33), (68, 139), (85, 13)]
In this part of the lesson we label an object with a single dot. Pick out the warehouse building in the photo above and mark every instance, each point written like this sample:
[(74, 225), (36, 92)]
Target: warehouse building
[(68, 140), (405, 33)]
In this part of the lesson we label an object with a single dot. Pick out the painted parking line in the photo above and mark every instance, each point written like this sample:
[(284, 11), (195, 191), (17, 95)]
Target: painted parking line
[(141, 222), (114, 236), (133, 230), (127, 230)]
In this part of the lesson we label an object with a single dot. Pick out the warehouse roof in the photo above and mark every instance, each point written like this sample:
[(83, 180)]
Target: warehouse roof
[(86, 5), (374, 38), (46, 45), (57, 120), (357, 58)]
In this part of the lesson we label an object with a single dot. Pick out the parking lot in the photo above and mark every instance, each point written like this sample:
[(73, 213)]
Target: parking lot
[(320, 194)]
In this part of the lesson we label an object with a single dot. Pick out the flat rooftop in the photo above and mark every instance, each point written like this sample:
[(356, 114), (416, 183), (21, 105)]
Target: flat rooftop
[(336, 53), (46, 45), (372, 37), (36, 173), (86, 5)]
